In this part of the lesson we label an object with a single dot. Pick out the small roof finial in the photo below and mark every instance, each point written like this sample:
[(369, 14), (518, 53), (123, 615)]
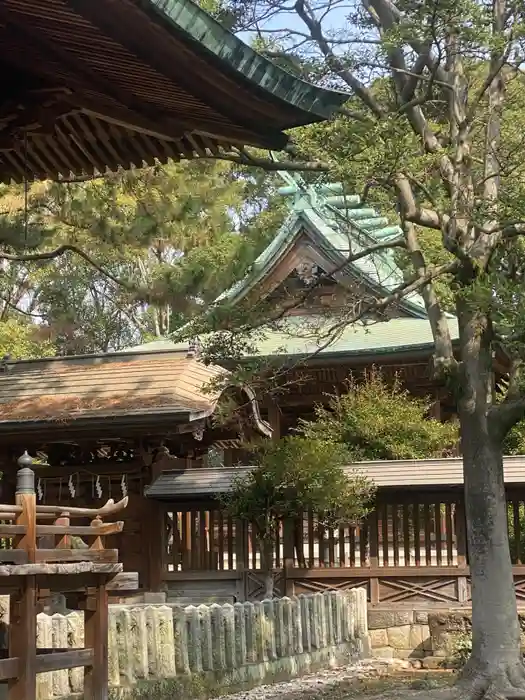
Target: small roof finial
[(25, 476)]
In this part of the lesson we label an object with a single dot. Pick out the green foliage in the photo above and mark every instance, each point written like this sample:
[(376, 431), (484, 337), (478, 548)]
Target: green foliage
[(174, 236), (375, 420), (293, 475), (24, 341), (462, 649)]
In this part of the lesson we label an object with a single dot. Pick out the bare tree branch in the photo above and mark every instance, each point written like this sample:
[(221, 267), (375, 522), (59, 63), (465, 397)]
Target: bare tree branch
[(62, 250)]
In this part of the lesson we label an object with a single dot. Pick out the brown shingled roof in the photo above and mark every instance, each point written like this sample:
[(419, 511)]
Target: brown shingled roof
[(91, 387)]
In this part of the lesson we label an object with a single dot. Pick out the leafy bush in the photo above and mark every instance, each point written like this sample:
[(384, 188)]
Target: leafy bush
[(293, 475), (462, 649), (375, 420)]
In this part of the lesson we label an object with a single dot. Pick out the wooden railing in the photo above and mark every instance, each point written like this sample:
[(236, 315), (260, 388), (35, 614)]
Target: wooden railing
[(48, 554)]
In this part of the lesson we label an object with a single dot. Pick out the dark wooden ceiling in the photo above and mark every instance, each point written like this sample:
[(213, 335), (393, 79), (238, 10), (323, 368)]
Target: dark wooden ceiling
[(92, 85)]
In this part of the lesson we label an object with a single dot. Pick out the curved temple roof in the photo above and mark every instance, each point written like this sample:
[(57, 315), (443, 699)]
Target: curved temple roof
[(90, 86), (39, 393)]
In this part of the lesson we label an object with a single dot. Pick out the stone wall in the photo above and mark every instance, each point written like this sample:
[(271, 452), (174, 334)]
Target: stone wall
[(235, 644), (419, 638)]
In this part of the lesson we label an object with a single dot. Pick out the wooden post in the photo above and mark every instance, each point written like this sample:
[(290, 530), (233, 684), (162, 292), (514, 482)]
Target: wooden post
[(461, 543), (155, 537), (22, 628), (374, 556), (96, 638)]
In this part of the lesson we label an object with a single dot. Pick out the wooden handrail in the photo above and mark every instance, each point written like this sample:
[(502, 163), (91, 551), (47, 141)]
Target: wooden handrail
[(109, 508)]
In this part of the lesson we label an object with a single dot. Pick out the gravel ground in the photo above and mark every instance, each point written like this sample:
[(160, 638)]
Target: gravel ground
[(366, 679)]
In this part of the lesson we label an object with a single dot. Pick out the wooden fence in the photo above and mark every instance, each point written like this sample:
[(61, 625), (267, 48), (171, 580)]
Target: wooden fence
[(411, 550)]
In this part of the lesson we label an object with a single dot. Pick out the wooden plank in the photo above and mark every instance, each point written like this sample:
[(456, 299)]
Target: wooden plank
[(374, 539), (176, 540), (230, 542), (449, 524), (417, 534), (96, 639), (321, 543), (212, 564), (439, 536), (331, 547), (384, 528), (27, 541), (92, 555), (311, 539), (406, 534), (202, 547), (63, 660), (14, 556), (22, 641), (461, 534), (12, 530), (77, 530), (342, 548), (9, 668), (403, 572), (221, 540), (353, 537), (517, 532), (363, 543), (226, 574), (428, 534), (194, 557), (395, 532), (186, 540), (109, 508)]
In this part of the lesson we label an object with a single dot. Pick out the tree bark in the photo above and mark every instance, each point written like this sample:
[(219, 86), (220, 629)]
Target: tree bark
[(495, 667), (267, 567)]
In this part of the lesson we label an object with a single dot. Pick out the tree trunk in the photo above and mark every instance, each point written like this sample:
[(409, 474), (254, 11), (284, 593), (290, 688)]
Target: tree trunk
[(267, 567), (495, 668)]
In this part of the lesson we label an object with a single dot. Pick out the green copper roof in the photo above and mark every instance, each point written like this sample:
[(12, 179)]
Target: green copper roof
[(302, 335), (187, 16), (339, 225)]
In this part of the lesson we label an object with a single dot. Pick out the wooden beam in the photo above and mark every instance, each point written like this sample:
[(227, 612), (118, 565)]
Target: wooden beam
[(96, 639), (63, 660), (9, 668)]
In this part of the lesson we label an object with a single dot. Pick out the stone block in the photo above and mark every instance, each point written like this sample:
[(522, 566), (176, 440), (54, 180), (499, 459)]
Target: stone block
[(378, 638), (399, 637), (409, 653), (419, 636), (180, 631), (229, 635), (139, 643), (297, 628), (305, 603), (194, 639), (240, 634), (384, 653), (44, 638), (380, 619), (420, 617), (251, 639), (432, 663), (152, 598), (218, 637), (59, 631), (75, 635), (206, 639)]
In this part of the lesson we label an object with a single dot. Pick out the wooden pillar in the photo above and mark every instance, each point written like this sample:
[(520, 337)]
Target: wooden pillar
[(22, 640), (374, 556), (22, 628), (96, 638), (155, 544), (461, 543)]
